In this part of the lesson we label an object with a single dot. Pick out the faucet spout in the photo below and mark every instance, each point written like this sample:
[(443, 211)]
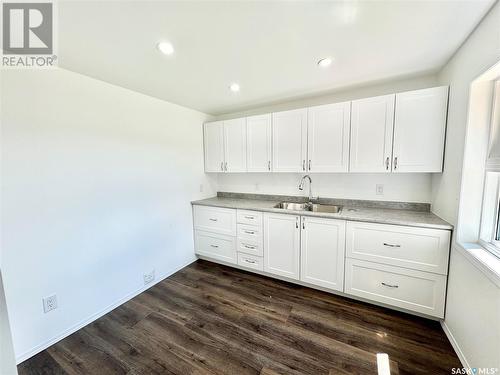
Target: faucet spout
[(301, 185)]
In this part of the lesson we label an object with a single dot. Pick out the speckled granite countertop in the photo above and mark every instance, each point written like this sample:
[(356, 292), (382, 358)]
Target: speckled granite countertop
[(353, 212)]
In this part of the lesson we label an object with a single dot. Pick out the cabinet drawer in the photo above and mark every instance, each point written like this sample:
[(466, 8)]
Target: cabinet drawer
[(215, 219), (416, 248), (250, 232), (215, 246), (418, 291), (249, 217), (251, 261), (250, 247)]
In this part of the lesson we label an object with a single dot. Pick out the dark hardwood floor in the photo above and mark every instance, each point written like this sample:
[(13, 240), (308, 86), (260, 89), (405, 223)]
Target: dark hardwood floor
[(211, 319)]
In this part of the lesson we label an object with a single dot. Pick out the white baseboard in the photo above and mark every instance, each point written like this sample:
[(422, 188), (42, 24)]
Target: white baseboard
[(455, 345), (44, 345)]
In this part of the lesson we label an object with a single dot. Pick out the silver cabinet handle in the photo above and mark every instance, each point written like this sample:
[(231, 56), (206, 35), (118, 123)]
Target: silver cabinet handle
[(304, 165), (391, 245), (249, 232), (222, 166), (212, 219), (250, 261), (249, 247), (214, 246), (395, 163), (249, 217), (389, 285), (225, 166), (309, 164), (296, 222), (387, 163), (269, 165)]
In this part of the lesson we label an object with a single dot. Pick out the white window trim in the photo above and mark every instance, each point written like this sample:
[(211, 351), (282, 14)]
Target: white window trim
[(482, 259), (492, 165)]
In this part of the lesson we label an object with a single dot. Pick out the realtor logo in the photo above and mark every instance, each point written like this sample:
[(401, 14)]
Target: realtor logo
[(28, 29)]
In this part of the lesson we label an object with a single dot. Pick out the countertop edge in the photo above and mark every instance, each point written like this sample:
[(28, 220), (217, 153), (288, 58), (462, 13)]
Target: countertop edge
[(345, 216)]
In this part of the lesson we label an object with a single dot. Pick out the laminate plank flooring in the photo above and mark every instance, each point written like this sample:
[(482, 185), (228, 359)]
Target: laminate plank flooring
[(212, 319)]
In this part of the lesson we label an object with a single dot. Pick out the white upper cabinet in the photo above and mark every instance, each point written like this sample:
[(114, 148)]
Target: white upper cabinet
[(214, 146), (391, 133), (282, 245), (289, 137), (235, 145), (259, 143), (328, 137), (322, 252), (419, 130), (372, 122)]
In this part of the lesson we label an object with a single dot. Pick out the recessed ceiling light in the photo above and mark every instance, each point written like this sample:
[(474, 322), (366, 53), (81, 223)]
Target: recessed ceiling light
[(165, 47), (234, 87), (327, 61)]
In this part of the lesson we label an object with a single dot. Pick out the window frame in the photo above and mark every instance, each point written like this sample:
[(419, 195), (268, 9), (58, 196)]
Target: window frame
[(492, 165)]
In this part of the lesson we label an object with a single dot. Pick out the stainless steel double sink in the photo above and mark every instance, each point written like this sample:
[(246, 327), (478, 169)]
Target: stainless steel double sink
[(311, 207)]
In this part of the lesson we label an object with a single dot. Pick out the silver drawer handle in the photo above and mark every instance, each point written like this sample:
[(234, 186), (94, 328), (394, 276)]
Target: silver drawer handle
[(249, 232), (212, 219), (249, 247), (250, 261), (249, 217), (390, 286), (390, 245), (214, 246)]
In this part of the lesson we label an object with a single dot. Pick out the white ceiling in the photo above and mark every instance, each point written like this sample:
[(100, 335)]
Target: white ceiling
[(269, 48)]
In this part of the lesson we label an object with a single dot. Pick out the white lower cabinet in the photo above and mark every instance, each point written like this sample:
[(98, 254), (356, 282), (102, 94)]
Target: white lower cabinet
[(322, 252), (282, 245), (250, 261), (423, 292), (215, 245), (395, 265)]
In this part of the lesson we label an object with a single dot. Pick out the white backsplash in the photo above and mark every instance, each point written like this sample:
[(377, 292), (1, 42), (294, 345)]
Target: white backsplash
[(412, 187)]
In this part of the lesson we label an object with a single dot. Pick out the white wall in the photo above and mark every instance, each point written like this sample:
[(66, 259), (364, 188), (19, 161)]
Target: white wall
[(473, 300), (477, 54), (412, 187), (97, 184), (7, 358)]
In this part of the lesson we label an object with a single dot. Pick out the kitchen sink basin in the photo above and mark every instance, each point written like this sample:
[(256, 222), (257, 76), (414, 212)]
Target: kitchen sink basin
[(312, 207), (293, 206), (332, 209)]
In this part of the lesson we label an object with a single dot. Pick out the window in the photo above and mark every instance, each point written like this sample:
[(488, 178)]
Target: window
[(489, 235)]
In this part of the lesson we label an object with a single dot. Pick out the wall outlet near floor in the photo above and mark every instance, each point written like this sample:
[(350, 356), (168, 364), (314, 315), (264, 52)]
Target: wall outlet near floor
[(49, 303), (149, 277), (379, 189)]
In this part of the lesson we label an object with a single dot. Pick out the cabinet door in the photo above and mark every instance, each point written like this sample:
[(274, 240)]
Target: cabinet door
[(235, 145), (259, 143), (328, 137), (322, 252), (372, 124), (290, 141), (216, 246), (281, 245), (419, 130), (214, 146)]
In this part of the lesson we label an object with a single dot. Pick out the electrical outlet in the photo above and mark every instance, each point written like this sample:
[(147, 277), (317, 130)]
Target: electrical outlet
[(257, 187), (379, 189), (49, 303), (201, 188), (149, 277)]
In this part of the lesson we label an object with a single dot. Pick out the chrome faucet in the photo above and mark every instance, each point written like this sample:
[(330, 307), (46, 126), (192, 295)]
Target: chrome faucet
[(301, 186)]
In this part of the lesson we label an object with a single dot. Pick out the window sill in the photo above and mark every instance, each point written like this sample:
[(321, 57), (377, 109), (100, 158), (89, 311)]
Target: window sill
[(485, 261)]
